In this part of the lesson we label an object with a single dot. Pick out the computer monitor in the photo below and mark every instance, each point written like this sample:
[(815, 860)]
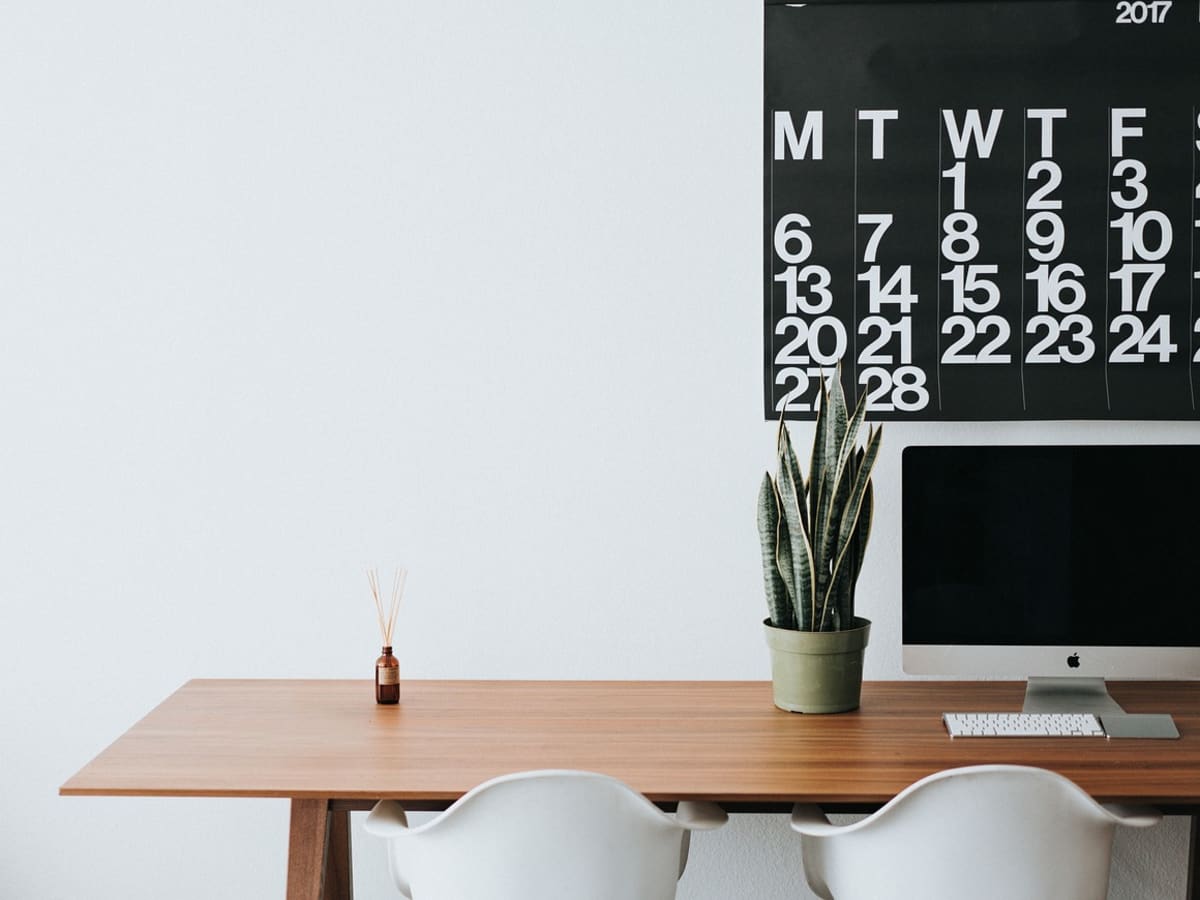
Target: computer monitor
[(1062, 565)]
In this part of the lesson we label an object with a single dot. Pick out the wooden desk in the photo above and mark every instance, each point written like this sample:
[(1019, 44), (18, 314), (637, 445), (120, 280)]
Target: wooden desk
[(328, 747)]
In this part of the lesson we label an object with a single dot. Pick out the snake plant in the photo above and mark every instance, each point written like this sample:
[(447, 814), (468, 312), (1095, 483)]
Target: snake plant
[(814, 531)]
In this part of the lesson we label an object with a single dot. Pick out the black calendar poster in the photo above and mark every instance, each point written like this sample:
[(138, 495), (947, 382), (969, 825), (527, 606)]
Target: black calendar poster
[(983, 211)]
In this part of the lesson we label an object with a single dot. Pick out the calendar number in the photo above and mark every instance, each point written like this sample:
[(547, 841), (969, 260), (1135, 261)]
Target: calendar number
[(1140, 12), (993, 330), (1142, 340), (799, 390), (1076, 329), (823, 339), (904, 389), (791, 230)]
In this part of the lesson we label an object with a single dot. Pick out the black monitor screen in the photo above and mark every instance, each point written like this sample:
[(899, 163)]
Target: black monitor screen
[(1049, 545)]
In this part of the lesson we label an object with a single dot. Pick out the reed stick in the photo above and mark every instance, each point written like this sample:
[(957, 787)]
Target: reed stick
[(387, 626)]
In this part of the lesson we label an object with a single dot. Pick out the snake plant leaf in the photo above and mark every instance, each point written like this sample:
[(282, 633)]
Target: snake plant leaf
[(846, 455), (834, 399), (864, 530), (848, 525), (820, 488), (791, 498), (835, 436), (783, 563), (838, 612), (803, 574), (779, 604), (846, 452), (841, 607), (852, 568), (842, 481), (788, 461), (825, 532), (817, 464)]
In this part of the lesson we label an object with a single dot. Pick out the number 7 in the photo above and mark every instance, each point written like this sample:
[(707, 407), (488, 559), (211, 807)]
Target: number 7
[(882, 222)]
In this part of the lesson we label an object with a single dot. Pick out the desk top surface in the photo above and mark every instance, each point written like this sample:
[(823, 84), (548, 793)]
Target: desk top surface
[(721, 741)]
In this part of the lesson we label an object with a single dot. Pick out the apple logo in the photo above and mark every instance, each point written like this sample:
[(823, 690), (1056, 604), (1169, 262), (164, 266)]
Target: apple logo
[(1073, 661)]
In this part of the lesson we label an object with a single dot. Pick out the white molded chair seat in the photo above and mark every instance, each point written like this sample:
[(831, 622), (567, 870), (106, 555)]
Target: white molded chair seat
[(980, 832), (546, 835)]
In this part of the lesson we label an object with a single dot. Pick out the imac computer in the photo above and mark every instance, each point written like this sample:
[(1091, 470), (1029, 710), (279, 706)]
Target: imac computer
[(1061, 565)]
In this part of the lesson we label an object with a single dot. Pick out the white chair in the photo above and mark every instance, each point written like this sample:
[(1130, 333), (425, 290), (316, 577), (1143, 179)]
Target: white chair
[(983, 832), (546, 835)]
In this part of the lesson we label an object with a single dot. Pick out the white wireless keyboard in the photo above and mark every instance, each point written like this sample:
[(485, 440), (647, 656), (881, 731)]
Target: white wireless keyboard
[(1022, 725)]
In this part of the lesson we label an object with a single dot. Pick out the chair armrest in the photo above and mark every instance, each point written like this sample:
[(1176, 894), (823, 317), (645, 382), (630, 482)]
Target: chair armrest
[(697, 815), (808, 818), (387, 819), (1133, 815)]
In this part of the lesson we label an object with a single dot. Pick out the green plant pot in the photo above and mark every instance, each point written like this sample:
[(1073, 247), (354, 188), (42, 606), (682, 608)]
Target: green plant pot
[(817, 671)]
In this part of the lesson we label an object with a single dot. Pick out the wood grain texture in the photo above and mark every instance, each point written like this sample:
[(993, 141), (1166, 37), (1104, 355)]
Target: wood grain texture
[(720, 741)]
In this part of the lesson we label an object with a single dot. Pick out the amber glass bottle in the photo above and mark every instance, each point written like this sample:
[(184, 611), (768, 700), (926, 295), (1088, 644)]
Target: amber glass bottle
[(387, 678)]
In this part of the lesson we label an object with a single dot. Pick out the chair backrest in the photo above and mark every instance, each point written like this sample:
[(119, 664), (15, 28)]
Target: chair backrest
[(547, 835), (984, 832)]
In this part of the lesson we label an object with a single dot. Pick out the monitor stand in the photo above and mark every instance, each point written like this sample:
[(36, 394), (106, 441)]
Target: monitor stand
[(1050, 694)]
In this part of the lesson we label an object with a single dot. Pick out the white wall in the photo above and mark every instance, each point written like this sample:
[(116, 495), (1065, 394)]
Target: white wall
[(292, 289)]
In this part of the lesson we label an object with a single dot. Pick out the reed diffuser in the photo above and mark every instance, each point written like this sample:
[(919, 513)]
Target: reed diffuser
[(387, 667)]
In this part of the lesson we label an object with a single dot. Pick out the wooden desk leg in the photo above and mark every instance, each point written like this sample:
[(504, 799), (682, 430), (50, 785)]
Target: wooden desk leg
[(307, 848), (319, 853), (339, 880)]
